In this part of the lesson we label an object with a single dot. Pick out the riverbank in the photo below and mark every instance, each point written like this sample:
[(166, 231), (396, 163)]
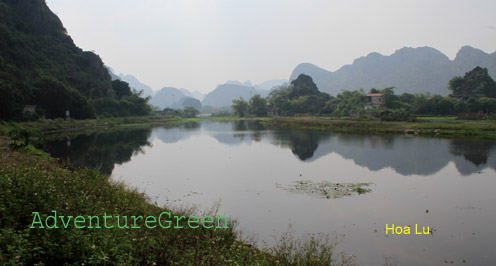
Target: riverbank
[(425, 126), (60, 125), (445, 127), (32, 182), (89, 125)]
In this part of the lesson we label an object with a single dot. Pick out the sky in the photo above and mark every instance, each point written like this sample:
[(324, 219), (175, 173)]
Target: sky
[(199, 44)]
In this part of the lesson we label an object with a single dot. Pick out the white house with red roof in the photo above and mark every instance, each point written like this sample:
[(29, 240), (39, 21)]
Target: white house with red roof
[(373, 100)]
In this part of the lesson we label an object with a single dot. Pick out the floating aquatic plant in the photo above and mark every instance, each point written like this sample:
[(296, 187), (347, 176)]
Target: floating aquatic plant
[(326, 189)]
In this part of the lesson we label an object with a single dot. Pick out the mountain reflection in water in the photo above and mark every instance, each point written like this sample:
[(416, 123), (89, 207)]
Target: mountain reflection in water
[(405, 154)]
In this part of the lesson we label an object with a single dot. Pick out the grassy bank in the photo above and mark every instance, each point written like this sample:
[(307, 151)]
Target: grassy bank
[(31, 181), (59, 125), (446, 127), (237, 118)]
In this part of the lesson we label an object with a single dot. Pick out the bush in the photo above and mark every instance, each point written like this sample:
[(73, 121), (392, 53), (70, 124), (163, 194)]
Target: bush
[(393, 115), (21, 138)]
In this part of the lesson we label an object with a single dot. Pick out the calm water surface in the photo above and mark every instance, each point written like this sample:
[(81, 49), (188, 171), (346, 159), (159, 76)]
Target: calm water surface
[(448, 185)]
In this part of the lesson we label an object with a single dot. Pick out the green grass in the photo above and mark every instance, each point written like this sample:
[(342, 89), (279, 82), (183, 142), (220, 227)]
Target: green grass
[(32, 181), (446, 127), (235, 118), (59, 125), (452, 119)]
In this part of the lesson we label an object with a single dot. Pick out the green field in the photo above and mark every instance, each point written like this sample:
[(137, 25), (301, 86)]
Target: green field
[(426, 126)]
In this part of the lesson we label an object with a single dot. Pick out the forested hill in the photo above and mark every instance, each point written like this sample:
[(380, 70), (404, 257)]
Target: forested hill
[(412, 70), (40, 64)]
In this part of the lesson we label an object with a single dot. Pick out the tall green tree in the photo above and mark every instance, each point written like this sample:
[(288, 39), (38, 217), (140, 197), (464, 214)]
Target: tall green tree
[(192, 102), (258, 106), (190, 112), (280, 99), (301, 97), (121, 88), (475, 83), (390, 100), (240, 107), (56, 98), (302, 86), (10, 101)]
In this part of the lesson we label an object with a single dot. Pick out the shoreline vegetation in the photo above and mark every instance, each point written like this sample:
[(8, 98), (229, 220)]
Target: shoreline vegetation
[(442, 126), (32, 181), (60, 125), (424, 126)]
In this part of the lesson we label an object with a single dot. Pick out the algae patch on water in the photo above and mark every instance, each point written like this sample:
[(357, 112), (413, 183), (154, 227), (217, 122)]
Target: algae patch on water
[(326, 189)]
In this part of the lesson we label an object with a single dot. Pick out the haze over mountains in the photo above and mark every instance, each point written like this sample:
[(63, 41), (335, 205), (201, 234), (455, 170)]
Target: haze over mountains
[(411, 70), (169, 97), (193, 94), (133, 82), (221, 96), (224, 94)]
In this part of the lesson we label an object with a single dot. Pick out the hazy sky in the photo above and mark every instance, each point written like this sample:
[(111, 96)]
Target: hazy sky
[(198, 44)]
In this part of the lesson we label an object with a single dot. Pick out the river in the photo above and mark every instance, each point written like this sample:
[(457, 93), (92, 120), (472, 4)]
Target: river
[(272, 180)]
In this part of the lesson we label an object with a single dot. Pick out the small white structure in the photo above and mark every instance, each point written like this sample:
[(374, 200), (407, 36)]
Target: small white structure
[(30, 109), (373, 100)]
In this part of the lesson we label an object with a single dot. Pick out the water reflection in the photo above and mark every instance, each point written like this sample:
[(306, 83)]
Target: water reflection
[(235, 133), (175, 133), (100, 150), (303, 144), (406, 155)]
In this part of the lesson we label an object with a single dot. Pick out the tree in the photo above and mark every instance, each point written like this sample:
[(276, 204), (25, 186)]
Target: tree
[(487, 105), (121, 88), (475, 83), (170, 111), (456, 85), (56, 98), (53, 97), (302, 86), (348, 102), (421, 103), (190, 112), (192, 102), (126, 106), (444, 106), (280, 99), (301, 97), (390, 100), (240, 107), (10, 101), (258, 106)]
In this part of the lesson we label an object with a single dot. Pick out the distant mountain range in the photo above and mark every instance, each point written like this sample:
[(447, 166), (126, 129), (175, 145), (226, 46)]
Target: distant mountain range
[(224, 94), (412, 70), (193, 94), (264, 86), (133, 82)]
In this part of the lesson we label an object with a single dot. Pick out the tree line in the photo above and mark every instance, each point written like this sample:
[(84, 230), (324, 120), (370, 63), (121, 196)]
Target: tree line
[(53, 98), (475, 92), (40, 65)]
